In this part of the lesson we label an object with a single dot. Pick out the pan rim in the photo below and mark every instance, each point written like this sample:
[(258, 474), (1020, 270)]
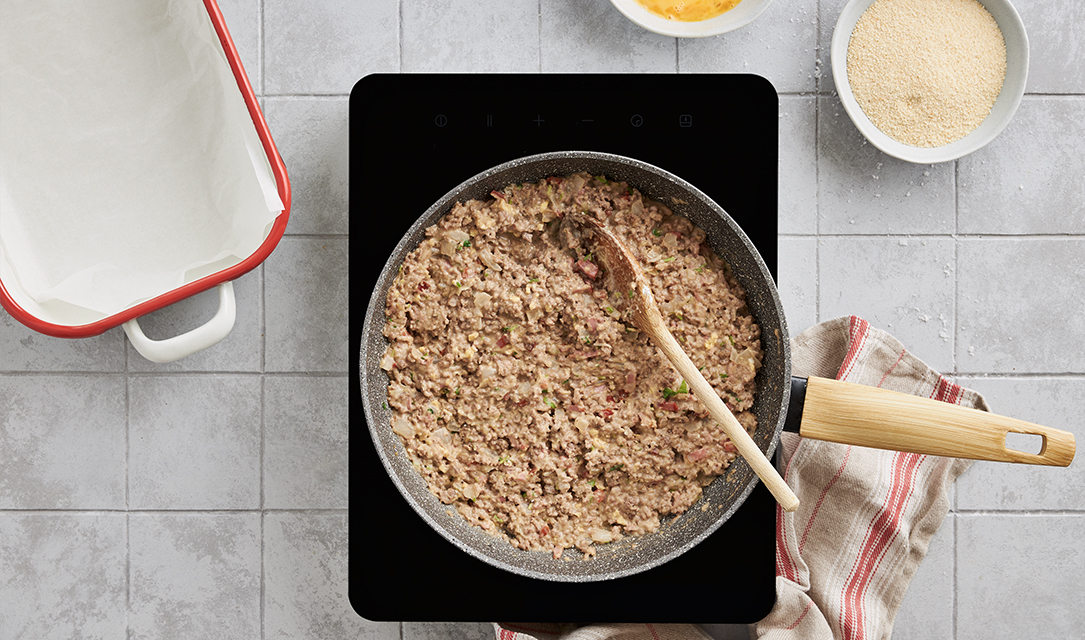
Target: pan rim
[(374, 311)]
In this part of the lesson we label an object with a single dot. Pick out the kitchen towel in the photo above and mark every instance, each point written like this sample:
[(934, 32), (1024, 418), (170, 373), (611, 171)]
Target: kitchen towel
[(845, 558)]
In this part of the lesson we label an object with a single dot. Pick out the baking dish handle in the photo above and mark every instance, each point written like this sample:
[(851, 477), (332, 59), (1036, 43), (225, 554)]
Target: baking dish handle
[(186, 344)]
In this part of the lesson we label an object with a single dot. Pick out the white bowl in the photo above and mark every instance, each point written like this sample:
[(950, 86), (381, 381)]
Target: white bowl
[(743, 14), (1013, 87)]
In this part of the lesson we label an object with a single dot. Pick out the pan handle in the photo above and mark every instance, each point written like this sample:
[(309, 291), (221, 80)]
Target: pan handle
[(856, 414), (186, 344)]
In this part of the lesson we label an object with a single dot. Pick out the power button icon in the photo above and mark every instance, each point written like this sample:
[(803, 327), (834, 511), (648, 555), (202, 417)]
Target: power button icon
[(441, 120)]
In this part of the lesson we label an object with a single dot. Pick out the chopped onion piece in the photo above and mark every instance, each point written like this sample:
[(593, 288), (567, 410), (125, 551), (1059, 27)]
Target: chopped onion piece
[(487, 258), (746, 357), (443, 436), (458, 236), (403, 427)]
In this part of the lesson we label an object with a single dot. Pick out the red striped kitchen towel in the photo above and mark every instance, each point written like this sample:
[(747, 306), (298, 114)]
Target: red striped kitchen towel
[(846, 556)]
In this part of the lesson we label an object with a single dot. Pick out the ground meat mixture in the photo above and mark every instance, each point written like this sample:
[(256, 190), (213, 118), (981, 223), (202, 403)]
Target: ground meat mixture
[(522, 391)]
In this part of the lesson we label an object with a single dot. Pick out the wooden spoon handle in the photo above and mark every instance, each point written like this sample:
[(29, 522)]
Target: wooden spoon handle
[(721, 414), (869, 417)]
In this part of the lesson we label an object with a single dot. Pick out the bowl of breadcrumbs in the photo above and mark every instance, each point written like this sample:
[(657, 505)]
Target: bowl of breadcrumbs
[(930, 81)]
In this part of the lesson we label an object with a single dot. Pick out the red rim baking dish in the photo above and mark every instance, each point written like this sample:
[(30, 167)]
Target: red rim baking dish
[(222, 277)]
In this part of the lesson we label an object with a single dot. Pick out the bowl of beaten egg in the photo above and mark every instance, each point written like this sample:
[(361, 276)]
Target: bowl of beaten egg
[(929, 81), (691, 18)]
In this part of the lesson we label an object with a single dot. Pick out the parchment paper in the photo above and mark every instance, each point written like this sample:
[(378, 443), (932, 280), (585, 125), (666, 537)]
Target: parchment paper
[(128, 160)]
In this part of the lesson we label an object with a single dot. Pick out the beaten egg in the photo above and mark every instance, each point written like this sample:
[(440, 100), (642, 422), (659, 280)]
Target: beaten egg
[(688, 10)]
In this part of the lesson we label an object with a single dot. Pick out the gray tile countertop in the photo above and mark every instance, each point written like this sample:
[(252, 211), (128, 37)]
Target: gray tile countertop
[(208, 498)]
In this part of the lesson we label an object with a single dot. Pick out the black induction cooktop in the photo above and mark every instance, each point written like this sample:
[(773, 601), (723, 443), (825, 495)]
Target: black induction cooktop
[(413, 137)]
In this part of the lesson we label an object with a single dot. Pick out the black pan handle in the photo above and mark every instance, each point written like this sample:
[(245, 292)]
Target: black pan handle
[(793, 419)]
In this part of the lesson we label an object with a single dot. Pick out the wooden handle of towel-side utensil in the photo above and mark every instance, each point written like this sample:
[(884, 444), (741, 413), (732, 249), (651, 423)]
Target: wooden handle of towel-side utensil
[(856, 414)]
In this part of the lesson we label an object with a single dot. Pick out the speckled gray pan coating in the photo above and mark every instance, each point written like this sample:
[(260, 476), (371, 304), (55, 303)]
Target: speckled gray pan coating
[(721, 498)]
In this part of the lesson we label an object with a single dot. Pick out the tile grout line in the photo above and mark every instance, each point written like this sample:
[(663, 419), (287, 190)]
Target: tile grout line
[(966, 236), (207, 512), (260, 46), (964, 513), (956, 263), (263, 515), (953, 592), (817, 167), (127, 496)]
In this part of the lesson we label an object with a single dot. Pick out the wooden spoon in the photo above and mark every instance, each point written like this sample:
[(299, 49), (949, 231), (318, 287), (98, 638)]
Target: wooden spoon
[(626, 276)]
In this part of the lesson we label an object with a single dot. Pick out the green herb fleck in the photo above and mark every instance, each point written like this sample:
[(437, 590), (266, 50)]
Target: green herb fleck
[(670, 259), (657, 232), (682, 388), (609, 309)]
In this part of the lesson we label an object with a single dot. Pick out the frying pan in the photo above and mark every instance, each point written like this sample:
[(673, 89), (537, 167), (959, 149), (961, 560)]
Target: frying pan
[(778, 402)]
